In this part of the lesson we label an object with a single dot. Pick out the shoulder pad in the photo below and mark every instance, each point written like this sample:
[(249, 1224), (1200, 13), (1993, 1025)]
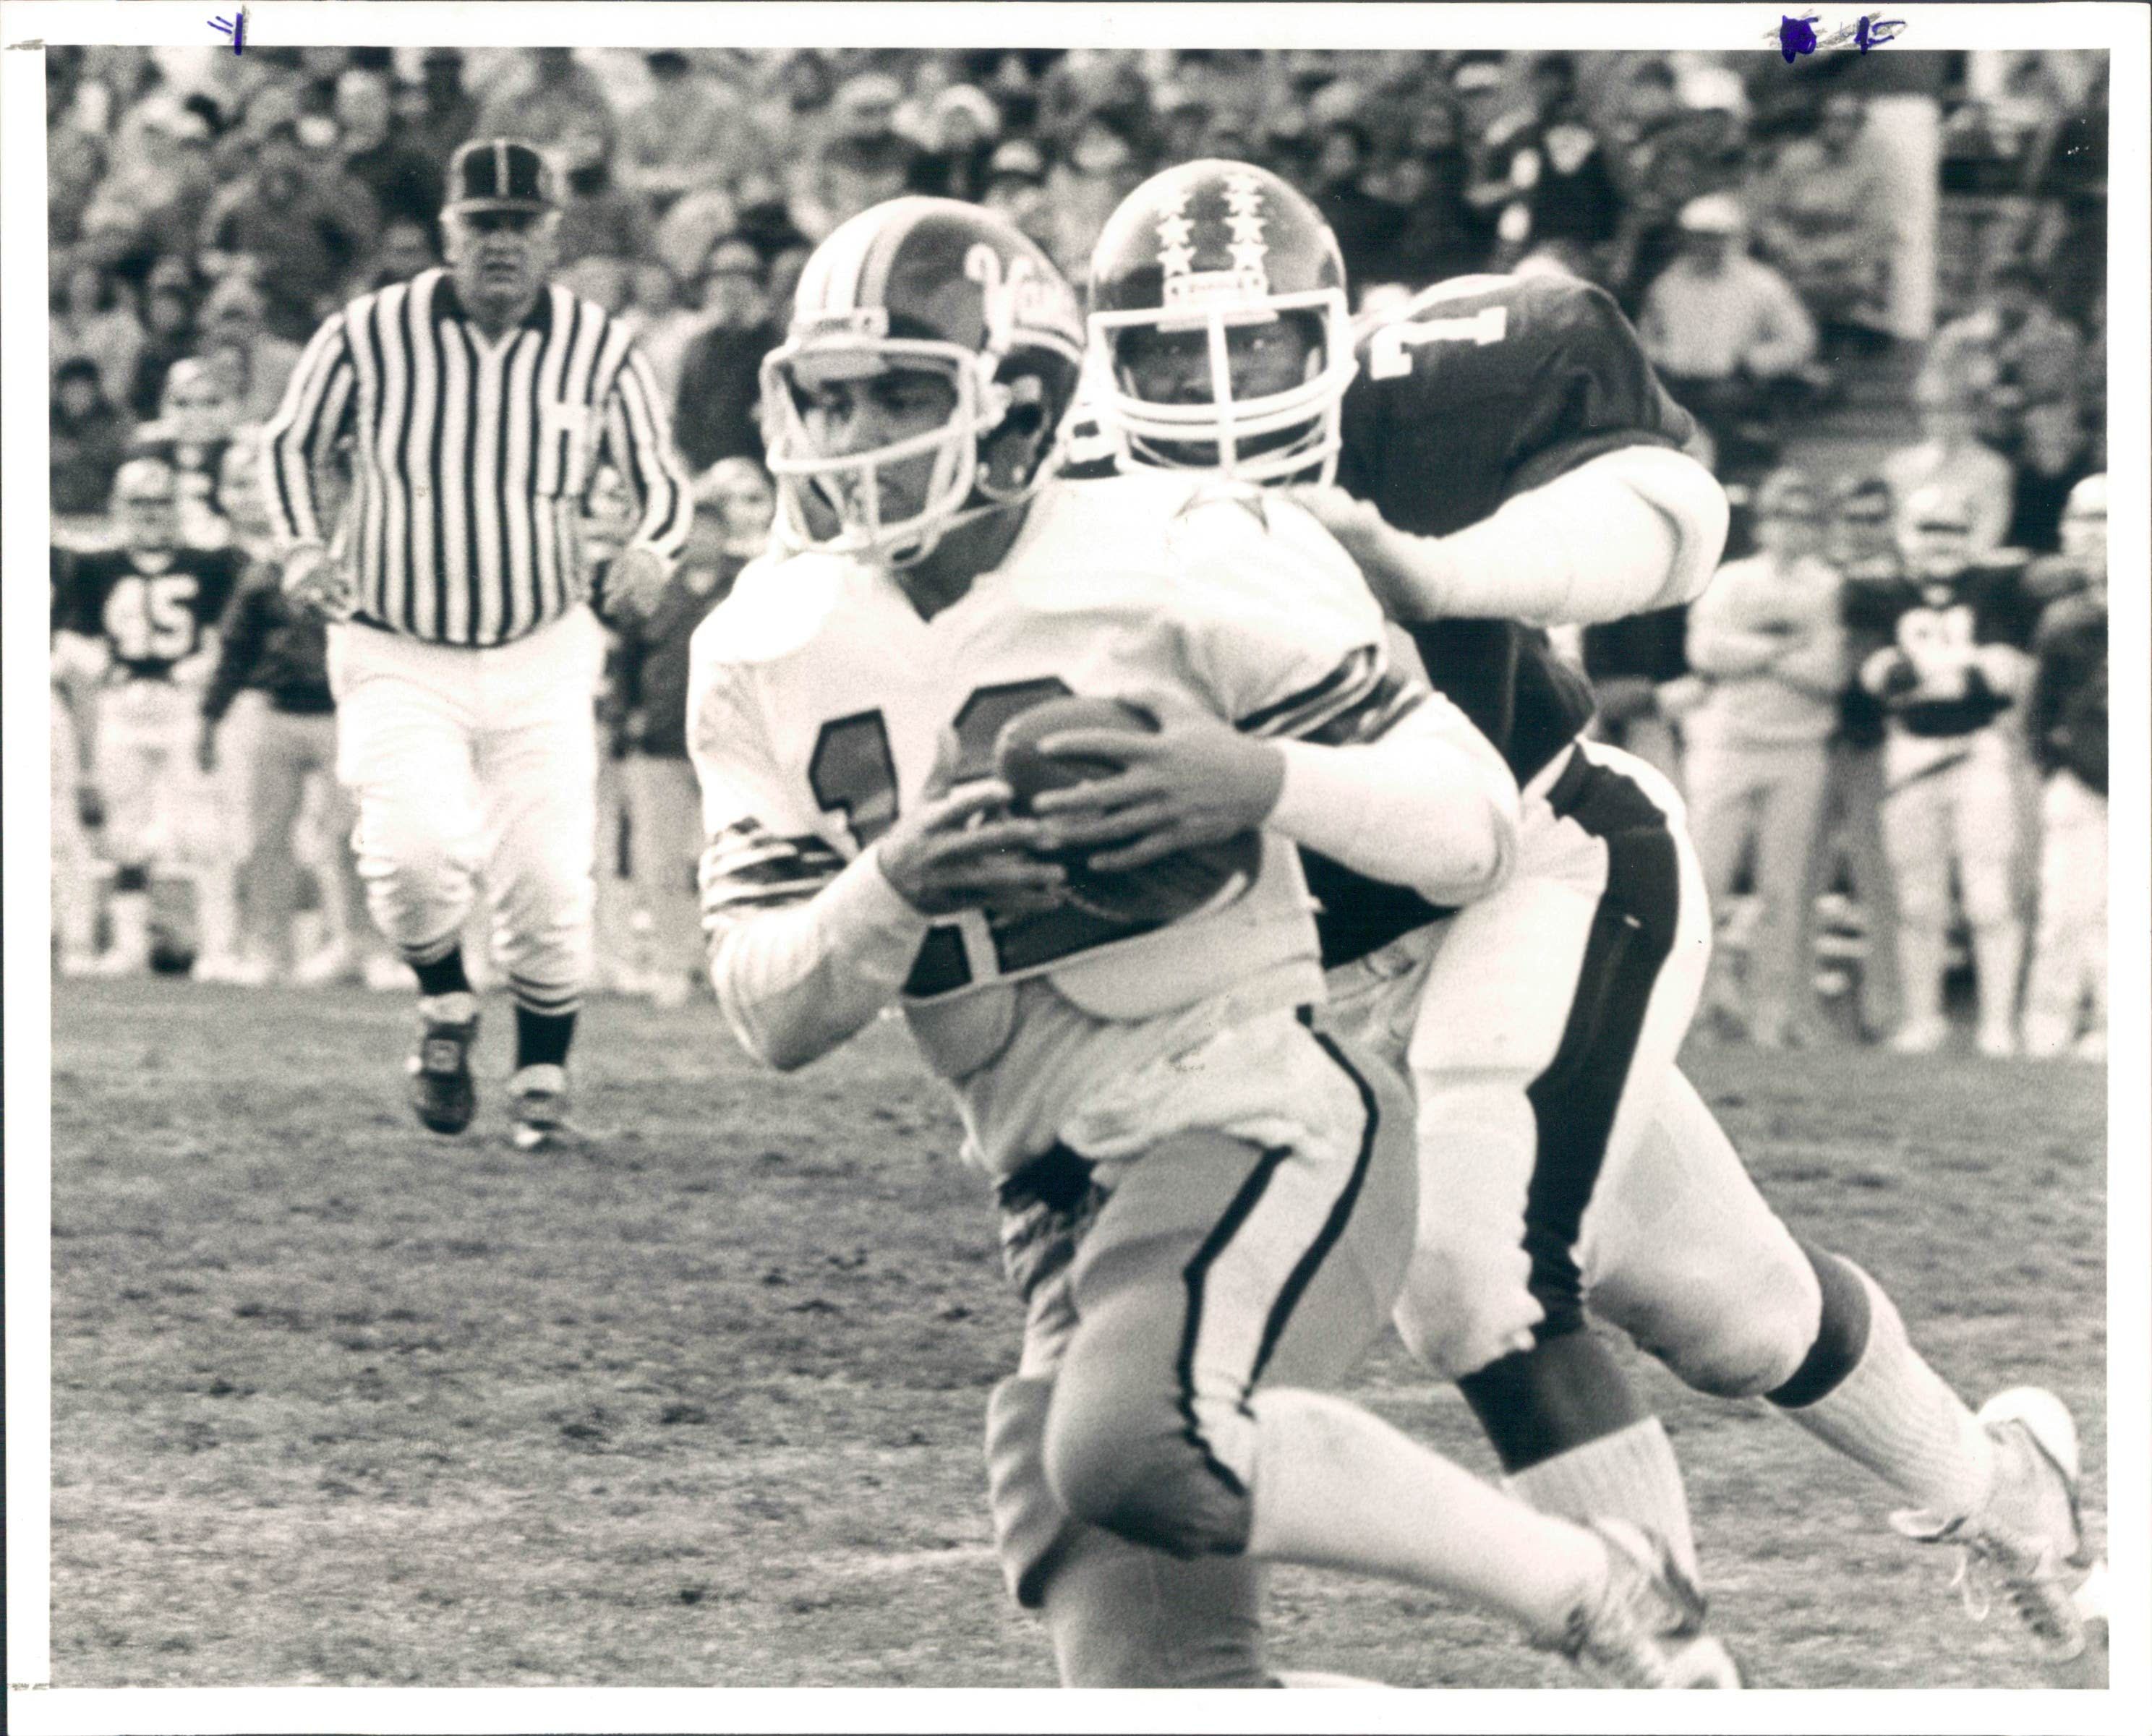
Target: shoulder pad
[(778, 604)]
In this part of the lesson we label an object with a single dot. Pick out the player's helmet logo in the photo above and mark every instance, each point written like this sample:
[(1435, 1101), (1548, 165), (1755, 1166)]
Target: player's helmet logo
[(933, 286), (1213, 247)]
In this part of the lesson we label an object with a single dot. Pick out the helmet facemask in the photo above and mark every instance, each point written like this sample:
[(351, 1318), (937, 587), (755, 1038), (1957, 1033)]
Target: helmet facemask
[(848, 491), (1291, 435)]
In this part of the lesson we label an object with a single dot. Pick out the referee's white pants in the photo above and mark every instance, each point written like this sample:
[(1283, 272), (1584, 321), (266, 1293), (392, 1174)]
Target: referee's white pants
[(467, 761)]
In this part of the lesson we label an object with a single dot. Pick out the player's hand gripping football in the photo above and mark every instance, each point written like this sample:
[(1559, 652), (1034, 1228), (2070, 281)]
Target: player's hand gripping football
[(962, 849), (319, 583), (1197, 781)]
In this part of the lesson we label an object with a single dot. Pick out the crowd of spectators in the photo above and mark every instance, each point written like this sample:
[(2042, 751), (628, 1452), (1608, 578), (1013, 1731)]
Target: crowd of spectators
[(208, 207)]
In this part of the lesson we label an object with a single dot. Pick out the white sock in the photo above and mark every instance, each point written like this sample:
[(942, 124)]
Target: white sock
[(1631, 1474), (1335, 1486), (1893, 1414)]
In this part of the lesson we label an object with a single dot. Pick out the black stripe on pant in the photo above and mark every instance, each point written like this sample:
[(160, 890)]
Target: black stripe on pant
[(1196, 1273), (1574, 1099)]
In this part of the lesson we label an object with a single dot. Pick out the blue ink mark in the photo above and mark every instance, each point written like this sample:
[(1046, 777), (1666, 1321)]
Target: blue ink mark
[(234, 28), (1796, 37)]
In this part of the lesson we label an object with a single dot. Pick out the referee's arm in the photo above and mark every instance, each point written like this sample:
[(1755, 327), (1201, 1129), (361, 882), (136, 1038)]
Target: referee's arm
[(640, 445), (317, 409)]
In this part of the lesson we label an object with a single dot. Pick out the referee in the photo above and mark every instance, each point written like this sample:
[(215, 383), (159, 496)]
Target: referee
[(475, 401)]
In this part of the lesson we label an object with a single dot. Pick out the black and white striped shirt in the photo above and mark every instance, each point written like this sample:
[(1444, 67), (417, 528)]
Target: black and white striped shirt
[(470, 456)]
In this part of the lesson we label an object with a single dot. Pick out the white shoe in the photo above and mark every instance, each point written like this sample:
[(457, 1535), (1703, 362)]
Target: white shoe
[(384, 975), (242, 973), (117, 961), (2028, 1531), (1998, 1043), (538, 1106), (333, 963), (1644, 1626), (669, 990), (1921, 1036)]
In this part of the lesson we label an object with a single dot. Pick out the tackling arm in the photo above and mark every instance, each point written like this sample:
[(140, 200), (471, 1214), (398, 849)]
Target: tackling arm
[(1637, 529)]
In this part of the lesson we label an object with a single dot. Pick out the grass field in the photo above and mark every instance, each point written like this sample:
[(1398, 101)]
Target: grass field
[(337, 1401)]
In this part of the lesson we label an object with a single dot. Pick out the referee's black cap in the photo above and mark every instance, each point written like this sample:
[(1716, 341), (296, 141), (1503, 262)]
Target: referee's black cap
[(500, 174)]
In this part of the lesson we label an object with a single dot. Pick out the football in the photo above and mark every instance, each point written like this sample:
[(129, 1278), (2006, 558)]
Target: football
[(1172, 887)]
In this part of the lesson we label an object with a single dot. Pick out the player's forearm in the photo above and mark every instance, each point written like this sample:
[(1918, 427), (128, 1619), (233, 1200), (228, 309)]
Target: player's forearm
[(1430, 805), (795, 983), (1635, 530)]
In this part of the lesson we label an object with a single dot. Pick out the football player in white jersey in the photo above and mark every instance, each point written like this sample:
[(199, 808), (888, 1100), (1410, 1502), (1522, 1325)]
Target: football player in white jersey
[(1207, 1202), (1508, 455)]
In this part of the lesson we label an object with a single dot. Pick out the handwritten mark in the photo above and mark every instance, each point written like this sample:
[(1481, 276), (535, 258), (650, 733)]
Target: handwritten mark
[(1796, 37), (34, 41), (234, 28)]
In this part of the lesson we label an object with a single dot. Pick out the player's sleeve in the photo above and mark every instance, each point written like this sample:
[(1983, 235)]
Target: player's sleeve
[(1380, 774), (239, 635), (805, 949)]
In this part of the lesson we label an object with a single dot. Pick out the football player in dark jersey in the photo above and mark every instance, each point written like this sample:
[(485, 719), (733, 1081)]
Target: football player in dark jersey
[(142, 617), (1509, 458), (196, 417), (2066, 722), (1956, 660)]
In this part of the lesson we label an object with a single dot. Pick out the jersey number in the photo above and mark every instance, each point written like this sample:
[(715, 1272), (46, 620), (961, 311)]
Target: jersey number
[(152, 619), (1388, 356), (1936, 632), (853, 774)]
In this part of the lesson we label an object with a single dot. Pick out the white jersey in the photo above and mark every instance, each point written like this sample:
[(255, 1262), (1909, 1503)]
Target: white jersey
[(819, 700)]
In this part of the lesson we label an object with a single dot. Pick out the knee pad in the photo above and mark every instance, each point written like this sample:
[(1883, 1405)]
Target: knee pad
[(1467, 1303), (1125, 1617), (1140, 1474), (1734, 1321)]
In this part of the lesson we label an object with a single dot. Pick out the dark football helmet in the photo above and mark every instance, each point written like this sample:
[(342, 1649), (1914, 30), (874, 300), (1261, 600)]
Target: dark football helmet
[(1208, 247), (934, 285)]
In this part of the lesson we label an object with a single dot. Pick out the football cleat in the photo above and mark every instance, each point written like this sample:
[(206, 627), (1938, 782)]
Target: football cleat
[(1643, 1627), (442, 1090), (538, 1109), (2027, 1533)]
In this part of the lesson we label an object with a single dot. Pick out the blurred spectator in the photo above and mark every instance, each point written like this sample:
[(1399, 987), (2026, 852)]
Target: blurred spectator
[(170, 337), (714, 415), (1768, 638), (864, 160), (1565, 189), (406, 249), (1726, 332), (75, 168), (448, 113), (190, 434), (1629, 661), (734, 507), (2066, 724), (1952, 669), (1016, 187), (690, 131), (306, 224), (89, 437), (963, 127), (598, 220), (1862, 544), (1950, 451), (2010, 353), (1367, 226), (654, 315), (252, 362), (550, 99), (92, 319), (2054, 454), (1671, 154), (1100, 170), (1823, 217), (404, 181), (2069, 178), (1437, 236)]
